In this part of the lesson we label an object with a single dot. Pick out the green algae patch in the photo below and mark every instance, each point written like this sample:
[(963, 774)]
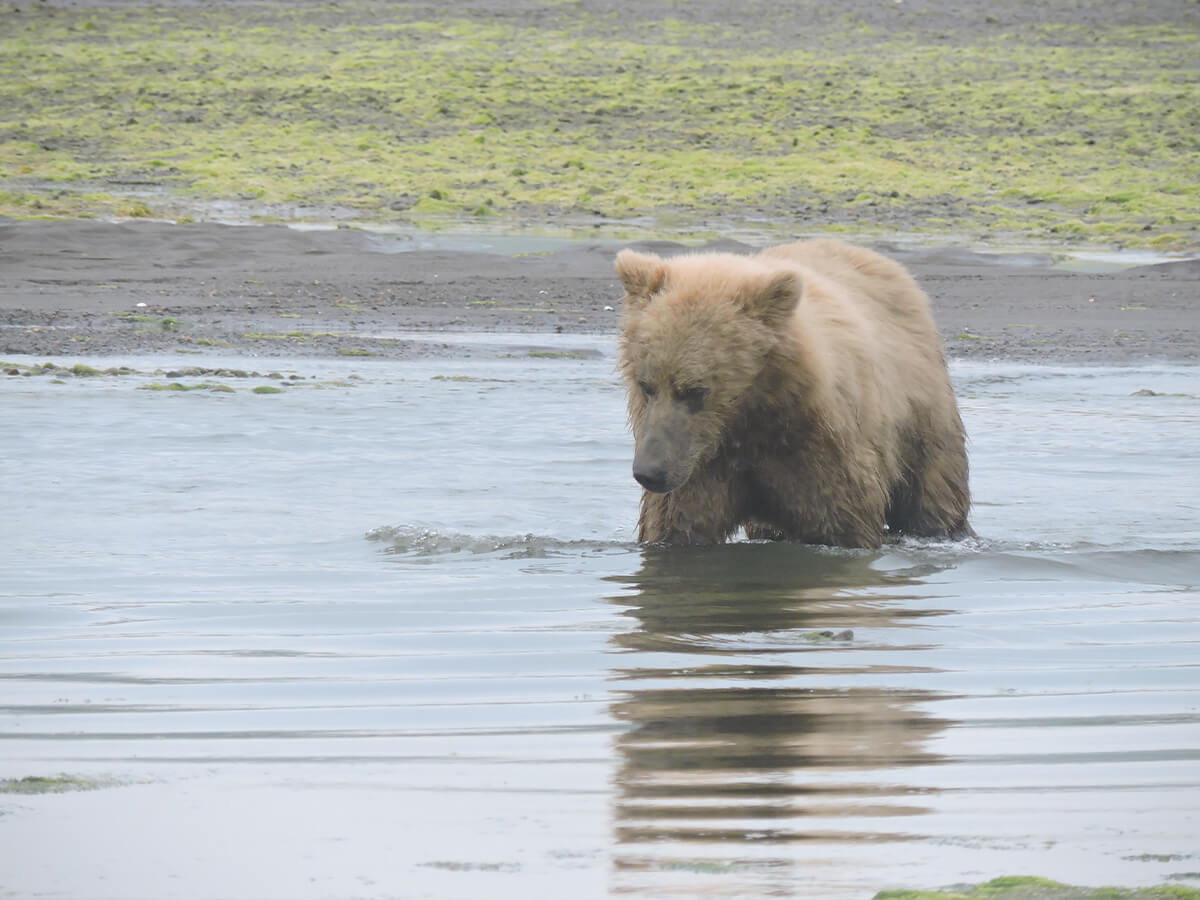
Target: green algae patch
[(558, 354), (53, 784), (212, 379), (698, 866), (1080, 133), (466, 866), (1020, 887), (180, 387), (470, 379), (267, 389), (824, 637)]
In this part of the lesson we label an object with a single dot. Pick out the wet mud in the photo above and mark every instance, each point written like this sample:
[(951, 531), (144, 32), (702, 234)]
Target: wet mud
[(89, 288)]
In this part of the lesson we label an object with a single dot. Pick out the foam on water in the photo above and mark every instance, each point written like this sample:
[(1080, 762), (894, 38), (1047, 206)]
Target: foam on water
[(421, 541)]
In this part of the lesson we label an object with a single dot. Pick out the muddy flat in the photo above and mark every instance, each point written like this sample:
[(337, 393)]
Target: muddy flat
[(102, 289)]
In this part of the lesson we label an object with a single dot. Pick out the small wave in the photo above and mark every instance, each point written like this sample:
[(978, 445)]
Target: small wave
[(421, 541), (1162, 566), (978, 545)]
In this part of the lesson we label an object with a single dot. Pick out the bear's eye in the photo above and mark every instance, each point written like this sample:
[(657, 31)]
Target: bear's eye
[(693, 397), (647, 389)]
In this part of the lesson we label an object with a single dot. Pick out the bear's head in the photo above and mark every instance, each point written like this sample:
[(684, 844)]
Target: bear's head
[(696, 334)]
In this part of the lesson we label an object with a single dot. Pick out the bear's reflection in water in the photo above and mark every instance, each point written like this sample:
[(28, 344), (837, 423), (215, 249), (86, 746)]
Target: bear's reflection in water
[(752, 716)]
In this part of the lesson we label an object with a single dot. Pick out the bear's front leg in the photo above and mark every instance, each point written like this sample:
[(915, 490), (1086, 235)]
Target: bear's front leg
[(700, 511), (831, 505)]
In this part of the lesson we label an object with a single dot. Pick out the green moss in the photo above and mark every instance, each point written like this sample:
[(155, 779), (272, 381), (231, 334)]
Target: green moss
[(821, 637), (427, 207), (1170, 240), (53, 784), (267, 389), (458, 866), (698, 866), (356, 352), (1079, 133), (554, 354), (134, 210), (466, 378), (179, 386)]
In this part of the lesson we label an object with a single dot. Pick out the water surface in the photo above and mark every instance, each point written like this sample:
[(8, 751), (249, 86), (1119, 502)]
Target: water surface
[(387, 634)]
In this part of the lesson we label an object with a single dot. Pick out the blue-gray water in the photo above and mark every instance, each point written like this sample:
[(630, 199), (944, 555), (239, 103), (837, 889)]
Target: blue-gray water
[(386, 635)]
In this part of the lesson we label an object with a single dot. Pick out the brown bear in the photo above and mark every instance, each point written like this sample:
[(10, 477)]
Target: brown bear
[(800, 393)]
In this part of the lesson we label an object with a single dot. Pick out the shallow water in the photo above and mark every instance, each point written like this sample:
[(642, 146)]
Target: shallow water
[(388, 635)]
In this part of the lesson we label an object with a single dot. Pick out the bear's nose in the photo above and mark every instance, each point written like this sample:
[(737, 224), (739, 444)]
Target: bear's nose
[(652, 478)]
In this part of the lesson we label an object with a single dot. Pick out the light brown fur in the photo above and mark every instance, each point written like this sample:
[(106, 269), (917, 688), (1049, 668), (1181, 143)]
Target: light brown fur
[(801, 393)]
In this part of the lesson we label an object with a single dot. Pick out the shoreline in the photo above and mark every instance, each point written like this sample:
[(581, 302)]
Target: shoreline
[(88, 288)]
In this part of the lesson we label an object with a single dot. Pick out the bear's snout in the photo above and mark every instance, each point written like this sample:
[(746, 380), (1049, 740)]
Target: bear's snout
[(653, 478), (663, 450)]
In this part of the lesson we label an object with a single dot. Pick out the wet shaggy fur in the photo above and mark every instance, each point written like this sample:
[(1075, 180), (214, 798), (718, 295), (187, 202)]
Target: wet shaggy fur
[(800, 393)]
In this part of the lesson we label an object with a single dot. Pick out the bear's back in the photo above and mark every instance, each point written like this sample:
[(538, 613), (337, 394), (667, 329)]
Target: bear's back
[(881, 288)]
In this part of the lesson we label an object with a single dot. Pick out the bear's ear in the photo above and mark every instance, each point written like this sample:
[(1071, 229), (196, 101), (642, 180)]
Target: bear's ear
[(642, 274), (773, 298)]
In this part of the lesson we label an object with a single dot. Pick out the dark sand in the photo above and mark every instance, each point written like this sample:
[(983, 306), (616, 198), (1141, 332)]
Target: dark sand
[(86, 288)]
